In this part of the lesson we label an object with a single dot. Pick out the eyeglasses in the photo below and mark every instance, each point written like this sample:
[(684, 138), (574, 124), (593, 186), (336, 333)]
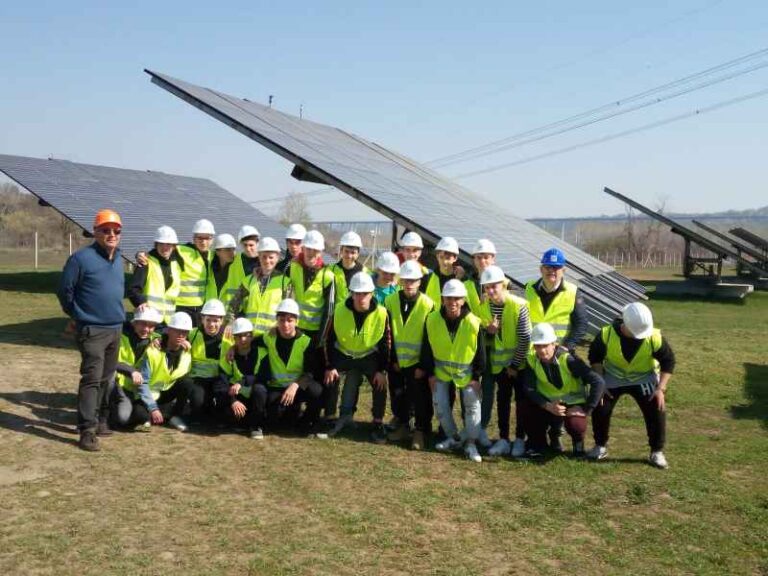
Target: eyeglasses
[(109, 231)]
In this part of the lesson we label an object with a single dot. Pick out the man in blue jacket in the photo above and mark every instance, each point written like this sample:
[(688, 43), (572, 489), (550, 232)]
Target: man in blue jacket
[(91, 293)]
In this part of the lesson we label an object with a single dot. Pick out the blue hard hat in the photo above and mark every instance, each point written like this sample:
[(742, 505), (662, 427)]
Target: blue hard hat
[(553, 257)]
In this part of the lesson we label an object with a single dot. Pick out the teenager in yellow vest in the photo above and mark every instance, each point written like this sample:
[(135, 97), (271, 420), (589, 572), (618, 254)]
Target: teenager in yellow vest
[(560, 389), (218, 274), (447, 254), (411, 247), (245, 262), (454, 356), (634, 359), (350, 245), (357, 347), (294, 238)]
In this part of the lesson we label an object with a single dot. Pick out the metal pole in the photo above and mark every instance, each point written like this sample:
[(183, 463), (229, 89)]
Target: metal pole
[(35, 249), (70, 243)]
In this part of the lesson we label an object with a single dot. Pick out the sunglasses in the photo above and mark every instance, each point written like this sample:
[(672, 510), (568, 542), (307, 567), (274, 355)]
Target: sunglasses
[(109, 231)]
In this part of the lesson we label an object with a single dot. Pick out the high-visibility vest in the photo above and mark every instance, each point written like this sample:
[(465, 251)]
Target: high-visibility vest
[(260, 306), (161, 378), (573, 390), (194, 277), (474, 298), (283, 375), (503, 349), (642, 364), (229, 367), (340, 281), (559, 312), (356, 344), (433, 289), (202, 365), (159, 296), (310, 300), (126, 355), (212, 290), (408, 335), (453, 358)]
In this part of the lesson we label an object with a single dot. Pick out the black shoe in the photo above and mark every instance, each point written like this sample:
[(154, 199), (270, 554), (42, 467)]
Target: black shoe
[(88, 441), (532, 454), (379, 434), (555, 443), (103, 429)]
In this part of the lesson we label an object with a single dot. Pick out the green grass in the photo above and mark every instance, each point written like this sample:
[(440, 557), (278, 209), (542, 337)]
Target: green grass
[(166, 503)]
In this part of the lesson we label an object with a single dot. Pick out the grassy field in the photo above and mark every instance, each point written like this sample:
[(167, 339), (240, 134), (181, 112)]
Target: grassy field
[(167, 503)]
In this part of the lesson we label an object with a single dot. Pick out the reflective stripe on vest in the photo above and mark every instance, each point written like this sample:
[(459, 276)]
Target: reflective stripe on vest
[(356, 344), (260, 306), (559, 312), (194, 277), (284, 374), (233, 372), (453, 358), (160, 377), (311, 301), (125, 355), (572, 392), (159, 296), (503, 349), (642, 364), (202, 366), (408, 336)]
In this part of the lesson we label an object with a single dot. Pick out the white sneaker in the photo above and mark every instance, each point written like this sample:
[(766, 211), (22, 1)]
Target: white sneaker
[(500, 448), (518, 448), (483, 439), (178, 423), (597, 453), (658, 459), (472, 453), (448, 445)]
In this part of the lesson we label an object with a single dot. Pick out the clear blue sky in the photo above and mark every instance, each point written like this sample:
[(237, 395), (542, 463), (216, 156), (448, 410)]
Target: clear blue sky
[(426, 79)]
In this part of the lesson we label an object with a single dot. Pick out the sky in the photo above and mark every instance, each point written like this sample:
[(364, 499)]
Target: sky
[(426, 79)]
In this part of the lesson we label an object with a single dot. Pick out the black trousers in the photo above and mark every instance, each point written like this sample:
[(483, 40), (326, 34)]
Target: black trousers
[(170, 403), (655, 419), (411, 395), (268, 410), (505, 387), (98, 348), (202, 396)]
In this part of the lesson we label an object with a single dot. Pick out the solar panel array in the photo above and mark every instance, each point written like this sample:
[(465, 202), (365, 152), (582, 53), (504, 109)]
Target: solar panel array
[(750, 237), (409, 193), (144, 200), (740, 246)]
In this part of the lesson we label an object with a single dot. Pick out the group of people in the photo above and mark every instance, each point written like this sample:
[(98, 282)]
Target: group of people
[(259, 341)]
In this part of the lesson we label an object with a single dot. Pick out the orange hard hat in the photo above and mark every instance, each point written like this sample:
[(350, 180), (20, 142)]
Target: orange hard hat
[(106, 216)]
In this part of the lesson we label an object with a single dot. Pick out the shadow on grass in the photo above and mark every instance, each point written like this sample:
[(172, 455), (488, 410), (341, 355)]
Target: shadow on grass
[(756, 393), (52, 411), (48, 332), (34, 282)]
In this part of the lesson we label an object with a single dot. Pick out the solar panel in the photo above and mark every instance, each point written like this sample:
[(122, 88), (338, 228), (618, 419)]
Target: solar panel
[(405, 191), (144, 200), (733, 242), (750, 237)]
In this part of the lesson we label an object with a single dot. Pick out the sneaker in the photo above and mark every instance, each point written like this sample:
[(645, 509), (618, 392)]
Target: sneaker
[(658, 459), (178, 423), (399, 434), (379, 433), (103, 429), (143, 427), (555, 443), (88, 441), (578, 449), (256, 434), (448, 445), (483, 439), (597, 453), (341, 423), (532, 453), (518, 448), (500, 448), (472, 453), (417, 442)]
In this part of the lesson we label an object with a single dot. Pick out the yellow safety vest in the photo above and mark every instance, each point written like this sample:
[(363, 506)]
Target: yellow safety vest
[(453, 358), (408, 335), (573, 390), (310, 300), (159, 296), (559, 312), (218, 292), (125, 355), (504, 347), (283, 375), (229, 367), (202, 366), (161, 378), (260, 306), (340, 281), (643, 363), (433, 289), (356, 344), (194, 277)]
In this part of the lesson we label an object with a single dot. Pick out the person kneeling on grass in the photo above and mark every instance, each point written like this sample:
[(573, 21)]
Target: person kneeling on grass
[(634, 359), (163, 391), (358, 346), (556, 384)]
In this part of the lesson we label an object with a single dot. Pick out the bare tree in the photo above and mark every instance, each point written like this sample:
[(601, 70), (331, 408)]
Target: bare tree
[(295, 209)]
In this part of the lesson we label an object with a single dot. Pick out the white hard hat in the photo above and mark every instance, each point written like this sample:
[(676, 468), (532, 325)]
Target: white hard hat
[(454, 289), (448, 244), (181, 321), (288, 306), (484, 246), (361, 282), (491, 275), (388, 262), (166, 235), (351, 238), (148, 314), (246, 231), (242, 326), (213, 307), (314, 240), (203, 227), (411, 270), (543, 333), (295, 232), (412, 240), (638, 319), (224, 241), (268, 244)]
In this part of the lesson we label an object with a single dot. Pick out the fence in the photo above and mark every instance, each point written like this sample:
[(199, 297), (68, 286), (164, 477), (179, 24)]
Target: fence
[(38, 256), (629, 259)]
